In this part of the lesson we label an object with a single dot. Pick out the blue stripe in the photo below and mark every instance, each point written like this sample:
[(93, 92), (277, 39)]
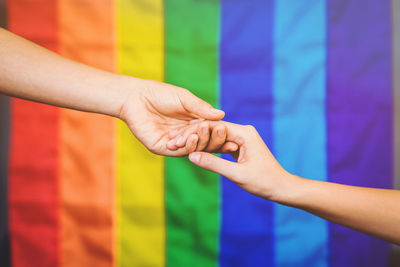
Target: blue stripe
[(299, 123), (246, 97)]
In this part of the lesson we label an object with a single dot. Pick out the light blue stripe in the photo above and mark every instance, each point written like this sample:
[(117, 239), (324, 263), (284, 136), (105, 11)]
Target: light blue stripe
[(299, 123)]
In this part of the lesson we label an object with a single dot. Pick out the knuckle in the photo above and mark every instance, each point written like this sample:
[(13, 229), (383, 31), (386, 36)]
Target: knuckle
[(250, 128), (184, 90)]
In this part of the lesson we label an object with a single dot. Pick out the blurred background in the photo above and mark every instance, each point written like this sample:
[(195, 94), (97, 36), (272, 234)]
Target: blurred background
[(319, 79)]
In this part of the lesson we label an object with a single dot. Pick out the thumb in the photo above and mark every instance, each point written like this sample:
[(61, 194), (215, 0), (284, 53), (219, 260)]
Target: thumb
[(216, 164), (200, 108)]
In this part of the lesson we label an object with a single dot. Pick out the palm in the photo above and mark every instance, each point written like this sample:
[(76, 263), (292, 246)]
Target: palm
[(154, 112)]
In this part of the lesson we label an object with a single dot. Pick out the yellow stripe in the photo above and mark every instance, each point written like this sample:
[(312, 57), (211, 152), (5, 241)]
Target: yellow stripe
[(140, 174)]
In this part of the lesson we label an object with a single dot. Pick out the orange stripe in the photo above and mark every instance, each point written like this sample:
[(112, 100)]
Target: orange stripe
[(87, 142)]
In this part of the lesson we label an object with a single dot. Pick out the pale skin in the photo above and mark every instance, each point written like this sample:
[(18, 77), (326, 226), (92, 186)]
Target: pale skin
[(151, 109), (369, 210), (171, 121)]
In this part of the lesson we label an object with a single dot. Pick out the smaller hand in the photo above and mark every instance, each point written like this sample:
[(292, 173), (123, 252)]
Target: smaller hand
[(256, 170)]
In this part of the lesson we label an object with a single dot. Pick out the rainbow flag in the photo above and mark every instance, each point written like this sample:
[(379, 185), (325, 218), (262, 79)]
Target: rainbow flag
[(317, 78)]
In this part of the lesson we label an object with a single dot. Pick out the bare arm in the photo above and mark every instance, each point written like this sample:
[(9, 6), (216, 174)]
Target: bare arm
[(372, 211), (151, 109), (31, 72), (369, 210)]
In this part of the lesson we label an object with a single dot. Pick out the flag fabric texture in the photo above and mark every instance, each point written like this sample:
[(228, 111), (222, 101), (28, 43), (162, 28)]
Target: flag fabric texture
[(316, 78)]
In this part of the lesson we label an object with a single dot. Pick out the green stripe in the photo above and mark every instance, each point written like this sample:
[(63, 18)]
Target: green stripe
[(192, 194)]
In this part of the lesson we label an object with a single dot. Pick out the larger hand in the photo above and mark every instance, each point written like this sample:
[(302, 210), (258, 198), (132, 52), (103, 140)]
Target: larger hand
[(155, 109)]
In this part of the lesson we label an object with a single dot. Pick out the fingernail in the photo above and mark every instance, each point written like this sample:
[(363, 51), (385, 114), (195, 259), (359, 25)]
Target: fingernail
[(179, 140), (204, 130), (220, 132), (194, 157), (216, 111)]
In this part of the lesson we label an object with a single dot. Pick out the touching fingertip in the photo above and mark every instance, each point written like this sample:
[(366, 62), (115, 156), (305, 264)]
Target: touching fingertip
[(217, 112)]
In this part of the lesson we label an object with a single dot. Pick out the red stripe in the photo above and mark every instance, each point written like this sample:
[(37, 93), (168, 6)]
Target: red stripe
[(33, 185)]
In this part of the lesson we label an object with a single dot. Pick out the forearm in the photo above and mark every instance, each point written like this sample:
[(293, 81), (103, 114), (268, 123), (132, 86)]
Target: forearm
[(372, 211), (31, 72)]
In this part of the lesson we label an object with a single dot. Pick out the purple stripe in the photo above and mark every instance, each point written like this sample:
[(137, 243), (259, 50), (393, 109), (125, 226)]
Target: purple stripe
[(359, 115)]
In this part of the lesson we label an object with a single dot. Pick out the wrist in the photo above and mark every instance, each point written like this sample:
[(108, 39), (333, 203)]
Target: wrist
[(107, 94), (127, 89), (289, 189)]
